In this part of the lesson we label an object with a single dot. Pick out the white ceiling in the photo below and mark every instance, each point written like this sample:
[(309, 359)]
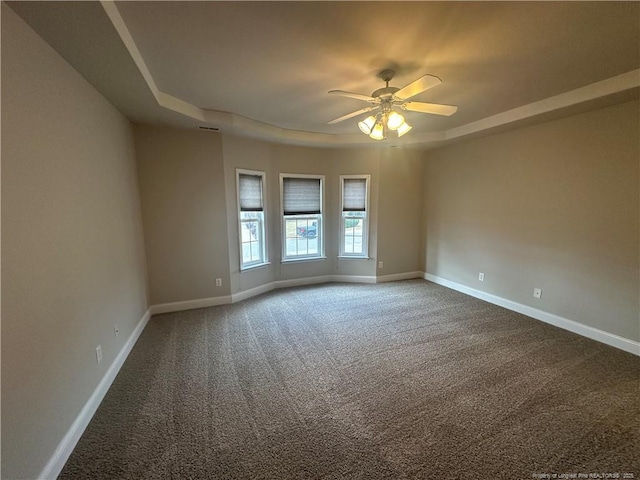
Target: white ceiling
[(270, 64)]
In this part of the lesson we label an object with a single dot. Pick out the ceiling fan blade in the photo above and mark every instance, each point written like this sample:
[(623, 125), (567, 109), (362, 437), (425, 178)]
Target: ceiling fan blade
[(352, 114), (434, 108), (342, 93), (420, 85)]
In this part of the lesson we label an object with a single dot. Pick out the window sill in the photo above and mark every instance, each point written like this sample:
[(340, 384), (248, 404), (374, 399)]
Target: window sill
[(305, 259), (254, 267), (353, 257)]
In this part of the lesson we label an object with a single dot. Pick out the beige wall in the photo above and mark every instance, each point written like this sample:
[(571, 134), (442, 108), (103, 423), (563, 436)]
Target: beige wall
[(181, 176), (188, 190), (251, 155), (305, 160), (180, 171), (554, 206), (72, 247), (400, 210), (352, 161), (276, 159)]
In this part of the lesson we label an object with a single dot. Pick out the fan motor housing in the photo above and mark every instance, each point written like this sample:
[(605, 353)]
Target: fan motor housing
[(385, 92)]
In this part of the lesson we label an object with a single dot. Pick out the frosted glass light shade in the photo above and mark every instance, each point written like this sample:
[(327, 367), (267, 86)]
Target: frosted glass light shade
[(404, 128), (378, 132), (366, 126), (394, 121)]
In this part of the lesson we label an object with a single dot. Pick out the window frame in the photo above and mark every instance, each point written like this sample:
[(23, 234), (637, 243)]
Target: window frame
[(342, 221), (264, 260), (319, 218)]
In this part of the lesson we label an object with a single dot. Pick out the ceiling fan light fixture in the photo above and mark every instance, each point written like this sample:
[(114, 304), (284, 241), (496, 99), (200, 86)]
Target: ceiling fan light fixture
[(389, 99), (366, 125), (404, 128), (378, 131), (395, 121)]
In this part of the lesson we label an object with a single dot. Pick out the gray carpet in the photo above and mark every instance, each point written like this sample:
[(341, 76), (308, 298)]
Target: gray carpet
[(390, 381)]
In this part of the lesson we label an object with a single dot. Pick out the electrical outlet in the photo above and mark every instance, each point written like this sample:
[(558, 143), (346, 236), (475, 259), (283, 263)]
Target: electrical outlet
[(481, 277), (537, 292), (99, 353), (218, 282), (116, 331), (380, 264)]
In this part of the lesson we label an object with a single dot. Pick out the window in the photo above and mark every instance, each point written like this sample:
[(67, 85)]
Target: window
[(302, 216), (251, 221), (353, 224)]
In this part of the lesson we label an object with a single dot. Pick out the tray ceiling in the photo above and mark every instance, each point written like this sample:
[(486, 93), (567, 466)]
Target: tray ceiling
[(264, 68)]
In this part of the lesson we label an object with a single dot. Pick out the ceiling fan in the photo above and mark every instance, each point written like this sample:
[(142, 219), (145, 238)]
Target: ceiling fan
[(388, 98)]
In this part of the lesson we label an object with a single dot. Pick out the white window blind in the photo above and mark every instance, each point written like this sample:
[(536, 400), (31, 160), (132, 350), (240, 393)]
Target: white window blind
[(301, 196), (250, 191), (354, 195)]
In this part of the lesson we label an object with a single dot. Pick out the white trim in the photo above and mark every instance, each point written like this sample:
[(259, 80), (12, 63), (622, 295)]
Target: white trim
[(189, 304), (365, 219), (252, 292), (55, 464), (299, 282), (125, 35), (589, 92), (550, 318), (399, 276), (556, 320), (319, 219), (254, 267), (264, 231), (302, 259), (353, 278)]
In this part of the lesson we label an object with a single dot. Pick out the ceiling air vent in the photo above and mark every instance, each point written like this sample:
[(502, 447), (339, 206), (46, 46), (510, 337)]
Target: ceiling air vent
[(213, 129)]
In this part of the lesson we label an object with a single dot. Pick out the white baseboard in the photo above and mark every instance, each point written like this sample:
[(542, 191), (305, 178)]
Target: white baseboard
[(353, 278), (550, 318), (55, 464), (556, 320), (267, 287), (189, 304), (252, 292), (299, 282), (399, 276)]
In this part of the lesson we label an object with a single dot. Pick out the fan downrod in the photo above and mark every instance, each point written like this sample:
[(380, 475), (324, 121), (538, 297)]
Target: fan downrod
[(385, 92)]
